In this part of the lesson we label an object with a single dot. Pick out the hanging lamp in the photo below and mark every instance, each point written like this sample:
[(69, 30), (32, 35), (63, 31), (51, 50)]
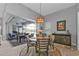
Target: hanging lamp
[(40, 19)]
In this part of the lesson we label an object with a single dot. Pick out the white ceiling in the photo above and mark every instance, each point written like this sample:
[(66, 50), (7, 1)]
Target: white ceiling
[(47, 8)]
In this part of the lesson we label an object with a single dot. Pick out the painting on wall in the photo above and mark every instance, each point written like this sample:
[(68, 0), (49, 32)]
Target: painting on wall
[(61, 25)]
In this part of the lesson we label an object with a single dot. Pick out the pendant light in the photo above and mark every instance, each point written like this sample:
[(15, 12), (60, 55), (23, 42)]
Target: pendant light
[(40, 19)]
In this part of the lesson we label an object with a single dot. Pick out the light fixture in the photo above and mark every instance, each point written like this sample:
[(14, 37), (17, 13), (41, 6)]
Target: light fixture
[(40, 19)]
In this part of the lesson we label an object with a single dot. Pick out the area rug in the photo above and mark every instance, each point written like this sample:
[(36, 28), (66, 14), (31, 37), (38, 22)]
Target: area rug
[(15, 43), (32, 52)]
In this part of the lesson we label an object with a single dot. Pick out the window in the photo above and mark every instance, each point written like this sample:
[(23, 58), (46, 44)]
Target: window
[(30, 28)]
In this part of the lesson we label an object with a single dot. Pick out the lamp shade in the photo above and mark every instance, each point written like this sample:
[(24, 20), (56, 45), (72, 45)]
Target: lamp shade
[(40, 20)]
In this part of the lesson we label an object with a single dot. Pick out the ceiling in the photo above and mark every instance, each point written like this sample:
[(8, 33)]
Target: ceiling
[(47, 8), (21, 21)]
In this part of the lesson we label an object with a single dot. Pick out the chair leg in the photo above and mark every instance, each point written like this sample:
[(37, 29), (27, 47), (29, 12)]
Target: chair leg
[(36, 46), (39, 51), (27, 49), (53, 45), (47, 51)]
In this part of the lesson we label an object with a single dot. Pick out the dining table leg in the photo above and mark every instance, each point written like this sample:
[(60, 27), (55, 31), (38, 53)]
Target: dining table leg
[(20, 40)]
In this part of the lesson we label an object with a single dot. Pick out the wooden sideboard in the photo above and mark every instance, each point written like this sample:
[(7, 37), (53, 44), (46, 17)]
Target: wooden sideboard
[(64, 39)]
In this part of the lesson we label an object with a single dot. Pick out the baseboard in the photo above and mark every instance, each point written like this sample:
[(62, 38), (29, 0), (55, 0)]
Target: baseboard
[(73, 44)]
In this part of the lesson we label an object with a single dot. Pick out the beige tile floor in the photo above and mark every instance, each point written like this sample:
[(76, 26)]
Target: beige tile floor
[(7, 50)]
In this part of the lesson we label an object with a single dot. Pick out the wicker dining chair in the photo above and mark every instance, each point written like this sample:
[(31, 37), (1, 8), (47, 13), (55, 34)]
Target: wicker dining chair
[(30, 43), (42, 45)]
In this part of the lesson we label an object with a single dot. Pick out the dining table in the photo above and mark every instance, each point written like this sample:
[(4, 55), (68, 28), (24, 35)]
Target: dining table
[(49, 38), (20, 37)]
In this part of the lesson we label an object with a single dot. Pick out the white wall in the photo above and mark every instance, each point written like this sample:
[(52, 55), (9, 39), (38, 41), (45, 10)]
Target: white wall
[(69, 15), (77, 26), (1, 9), (78, 31)]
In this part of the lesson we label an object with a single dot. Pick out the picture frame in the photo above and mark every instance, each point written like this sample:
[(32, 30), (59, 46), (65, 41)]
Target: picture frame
[(61, 25)]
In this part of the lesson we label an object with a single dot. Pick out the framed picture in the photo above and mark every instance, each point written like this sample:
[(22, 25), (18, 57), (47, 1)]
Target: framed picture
[(61, 25)]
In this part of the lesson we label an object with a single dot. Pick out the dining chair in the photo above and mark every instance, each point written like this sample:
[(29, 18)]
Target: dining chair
[(52, 37), (42, 45), (30, 43)]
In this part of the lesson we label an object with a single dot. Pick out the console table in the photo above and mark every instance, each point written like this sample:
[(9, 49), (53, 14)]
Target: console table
[(64, 39)]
